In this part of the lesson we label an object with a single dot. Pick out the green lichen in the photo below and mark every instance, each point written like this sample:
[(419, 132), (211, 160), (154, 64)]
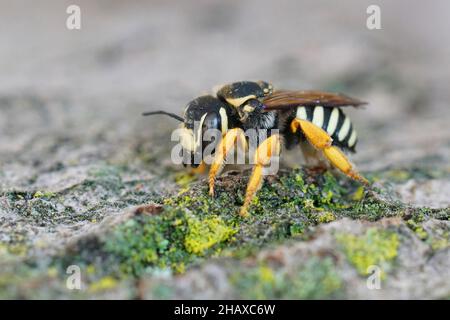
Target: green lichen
[(297, 229), (372, 209), (147, 242), (184, 179), (44, 194), (162, 291), (375, 247), (401, 175), (171, 239), (325, 217), (417, 228), (106, 188), (440, 244), (294, 192), (194, 225), (316, 279), (17, 249)]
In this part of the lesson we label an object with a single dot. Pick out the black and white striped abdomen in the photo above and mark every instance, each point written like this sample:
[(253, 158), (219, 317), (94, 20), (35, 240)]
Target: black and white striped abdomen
[(333, 121)]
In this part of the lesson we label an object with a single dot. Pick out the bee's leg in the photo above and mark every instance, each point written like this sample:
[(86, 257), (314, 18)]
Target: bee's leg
[(201, 169), (340, 161), (231, 138), (264, 153), (320, 139)]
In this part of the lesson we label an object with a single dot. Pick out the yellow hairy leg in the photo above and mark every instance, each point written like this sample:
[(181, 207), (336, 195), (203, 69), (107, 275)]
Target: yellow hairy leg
[(264, 153), (231, 138), (320, 139), (340, 161)]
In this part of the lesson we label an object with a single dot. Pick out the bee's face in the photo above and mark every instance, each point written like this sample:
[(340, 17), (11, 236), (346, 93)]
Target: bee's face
[(202, 115)]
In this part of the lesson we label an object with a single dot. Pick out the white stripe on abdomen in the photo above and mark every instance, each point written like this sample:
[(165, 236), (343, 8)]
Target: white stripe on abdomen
[(318, 116), (301, 113), (352, 139), (333, 121), (344, 129)]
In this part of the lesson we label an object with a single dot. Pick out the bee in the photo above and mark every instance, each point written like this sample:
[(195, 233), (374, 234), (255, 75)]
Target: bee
[(313, 120)]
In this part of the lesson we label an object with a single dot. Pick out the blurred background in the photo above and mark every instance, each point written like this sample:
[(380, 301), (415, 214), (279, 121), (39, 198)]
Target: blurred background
[(142, 55), (71, 100)]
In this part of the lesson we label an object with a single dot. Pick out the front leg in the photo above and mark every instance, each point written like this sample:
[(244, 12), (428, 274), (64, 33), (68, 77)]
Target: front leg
[(231, 138), (264, 153)]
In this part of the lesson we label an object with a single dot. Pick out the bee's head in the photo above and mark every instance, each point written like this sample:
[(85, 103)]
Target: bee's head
[(238, 93), (205, 120)]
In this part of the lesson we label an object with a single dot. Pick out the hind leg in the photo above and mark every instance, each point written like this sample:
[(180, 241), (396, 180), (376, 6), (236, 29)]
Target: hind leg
[(321, 140)]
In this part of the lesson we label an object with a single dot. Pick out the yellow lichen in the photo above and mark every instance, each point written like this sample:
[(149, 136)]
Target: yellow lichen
[(90, 269), (418, 229), (358, 194), (52, 272), (440, 244), (184, 179), (204, 234), (44, 194), (325, 217), (105, 283), (266, 274), (375, 247), (399, 175)]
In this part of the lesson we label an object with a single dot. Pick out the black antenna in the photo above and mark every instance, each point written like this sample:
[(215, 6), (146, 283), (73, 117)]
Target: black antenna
[(172, 115)]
